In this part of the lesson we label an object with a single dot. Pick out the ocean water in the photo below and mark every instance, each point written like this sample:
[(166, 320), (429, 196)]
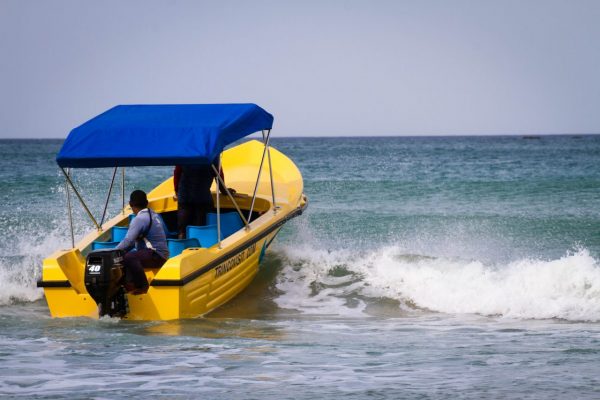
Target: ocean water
[(425, 268)]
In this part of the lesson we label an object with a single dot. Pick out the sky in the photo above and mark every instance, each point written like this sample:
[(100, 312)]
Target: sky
[(322, 68)]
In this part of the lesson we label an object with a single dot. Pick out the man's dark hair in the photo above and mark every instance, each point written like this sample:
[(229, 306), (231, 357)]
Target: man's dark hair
[(138, 199)]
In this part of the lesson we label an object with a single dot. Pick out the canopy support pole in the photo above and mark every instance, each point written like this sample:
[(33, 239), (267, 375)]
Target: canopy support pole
[(258, 178), (81, 199), (123, 189), (231, 197), (275, 208), (218, 204), (69, 208), (112, 182)]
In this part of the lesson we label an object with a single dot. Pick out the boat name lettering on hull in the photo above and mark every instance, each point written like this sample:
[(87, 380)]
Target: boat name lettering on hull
[(234, 261)]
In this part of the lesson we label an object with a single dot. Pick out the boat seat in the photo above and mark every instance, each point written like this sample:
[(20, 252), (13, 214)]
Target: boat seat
[(118, 233), (231, 222), (207, 235), (176, 246), (104, 245)]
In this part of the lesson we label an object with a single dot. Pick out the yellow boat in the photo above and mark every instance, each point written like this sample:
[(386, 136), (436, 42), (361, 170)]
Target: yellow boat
[(268, 192)]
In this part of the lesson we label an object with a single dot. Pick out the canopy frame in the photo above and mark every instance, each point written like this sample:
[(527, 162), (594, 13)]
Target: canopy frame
[(89, 213), (123, 189), (275, 206), (219, 183), (112, 182), (262, 161), (70, 185), (68, 191)]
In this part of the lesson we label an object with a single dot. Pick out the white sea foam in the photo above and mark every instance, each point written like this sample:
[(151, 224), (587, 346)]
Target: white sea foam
[(13, 288), (566, 288), (20, 271)]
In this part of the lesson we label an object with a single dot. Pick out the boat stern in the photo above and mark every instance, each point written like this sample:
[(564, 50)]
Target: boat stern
[(64, 287)]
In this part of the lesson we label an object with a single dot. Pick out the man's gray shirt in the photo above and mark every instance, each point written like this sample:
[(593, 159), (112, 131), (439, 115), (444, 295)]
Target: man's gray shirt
[(156, 235)]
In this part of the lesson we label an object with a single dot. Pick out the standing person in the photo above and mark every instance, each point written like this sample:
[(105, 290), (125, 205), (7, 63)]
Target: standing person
[(192, 192), (146, 233)]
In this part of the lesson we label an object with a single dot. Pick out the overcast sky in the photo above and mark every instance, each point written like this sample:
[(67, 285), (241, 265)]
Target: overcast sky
[(334, 68)]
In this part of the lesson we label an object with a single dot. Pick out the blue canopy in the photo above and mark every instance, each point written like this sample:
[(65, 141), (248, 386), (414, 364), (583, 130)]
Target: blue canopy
[(174, 134)]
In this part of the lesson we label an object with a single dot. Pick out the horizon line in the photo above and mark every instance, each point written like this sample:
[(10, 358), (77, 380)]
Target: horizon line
[(377, 136), (526, 135)]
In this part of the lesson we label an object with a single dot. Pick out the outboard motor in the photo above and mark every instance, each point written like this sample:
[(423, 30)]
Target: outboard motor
[(103, 281)]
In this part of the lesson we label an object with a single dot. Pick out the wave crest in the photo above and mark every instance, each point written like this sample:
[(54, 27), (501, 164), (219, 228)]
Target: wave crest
[(565, 288)]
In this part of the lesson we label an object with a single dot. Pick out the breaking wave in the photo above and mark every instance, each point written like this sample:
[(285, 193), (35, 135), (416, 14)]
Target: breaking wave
[(344, 282), (315, 280)]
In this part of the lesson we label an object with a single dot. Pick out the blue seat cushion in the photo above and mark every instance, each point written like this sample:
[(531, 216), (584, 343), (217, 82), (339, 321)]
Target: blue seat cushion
[(231, 222), (118, 233), (176, 246), (104, 245), (207, 235)]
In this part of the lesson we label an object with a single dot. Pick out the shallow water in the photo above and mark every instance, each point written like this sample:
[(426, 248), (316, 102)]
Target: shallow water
[(423, 268)]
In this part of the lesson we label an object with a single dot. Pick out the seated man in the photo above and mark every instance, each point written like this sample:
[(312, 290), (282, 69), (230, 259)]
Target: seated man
[(147, 234)]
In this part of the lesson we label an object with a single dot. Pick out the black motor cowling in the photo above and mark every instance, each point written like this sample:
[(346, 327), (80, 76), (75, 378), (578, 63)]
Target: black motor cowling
[(104, 281)]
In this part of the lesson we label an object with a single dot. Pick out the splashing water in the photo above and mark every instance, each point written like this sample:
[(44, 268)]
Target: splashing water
[(567, 288)]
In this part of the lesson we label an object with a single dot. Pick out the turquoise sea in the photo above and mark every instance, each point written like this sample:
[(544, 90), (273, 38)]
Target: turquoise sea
[(423, 268)]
